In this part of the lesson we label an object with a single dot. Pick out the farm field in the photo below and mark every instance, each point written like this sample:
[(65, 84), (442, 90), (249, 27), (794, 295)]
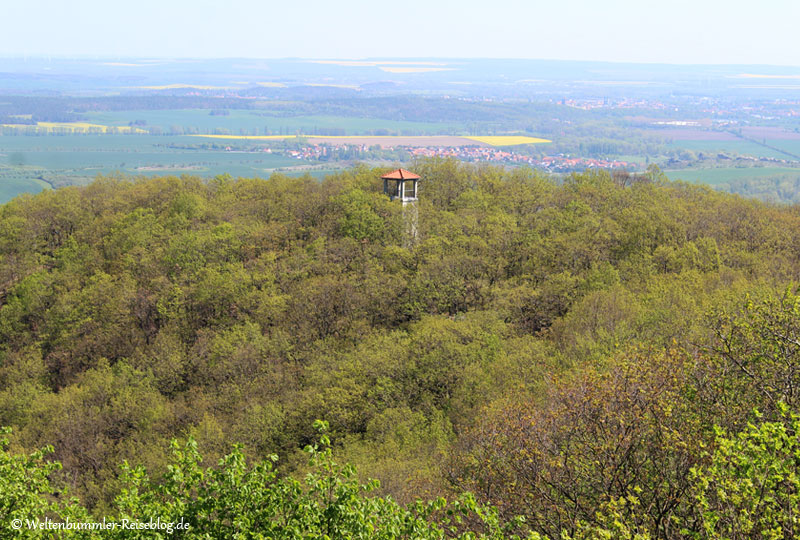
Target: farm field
[(789, 145), (507, 140), (124, 153), (261, 122), (717, 176), (691, 134), (630, 158), (27, 162), (78, 143), (12, 185), (771, 133), (64, 128), (745, 148), (389, 140)]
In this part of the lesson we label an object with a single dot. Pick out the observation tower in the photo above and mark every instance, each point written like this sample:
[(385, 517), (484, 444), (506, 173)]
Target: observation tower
[(402, 184)]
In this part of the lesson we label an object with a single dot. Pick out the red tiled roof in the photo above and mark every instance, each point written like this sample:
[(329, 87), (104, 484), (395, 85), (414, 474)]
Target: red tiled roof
[(400, 174)]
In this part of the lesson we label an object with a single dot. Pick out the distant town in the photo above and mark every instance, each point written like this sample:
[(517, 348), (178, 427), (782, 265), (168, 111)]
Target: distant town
[(554, 163)]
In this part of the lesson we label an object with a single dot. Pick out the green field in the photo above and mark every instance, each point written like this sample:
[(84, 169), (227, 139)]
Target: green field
[(745, 148), (260, 122), (28, 163), (640, 160), (11, 185), (791, 146), (719, 176)]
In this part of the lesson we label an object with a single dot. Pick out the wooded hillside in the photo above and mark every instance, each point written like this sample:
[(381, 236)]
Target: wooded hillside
[(585, 354)]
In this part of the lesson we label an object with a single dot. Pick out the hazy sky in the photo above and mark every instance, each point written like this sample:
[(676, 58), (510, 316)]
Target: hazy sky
[(673, 31)]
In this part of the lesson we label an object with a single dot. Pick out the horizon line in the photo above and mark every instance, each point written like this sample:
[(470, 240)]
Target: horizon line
[(100, 57)]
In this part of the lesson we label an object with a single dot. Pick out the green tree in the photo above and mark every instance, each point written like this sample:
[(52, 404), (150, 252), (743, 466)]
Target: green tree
[(26, 494), (750, 489)]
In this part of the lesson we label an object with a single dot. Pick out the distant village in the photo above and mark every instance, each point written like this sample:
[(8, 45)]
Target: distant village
[(556, 163)]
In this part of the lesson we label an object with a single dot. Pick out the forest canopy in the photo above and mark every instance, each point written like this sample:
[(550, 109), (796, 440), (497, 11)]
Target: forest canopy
[(599, 355)]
